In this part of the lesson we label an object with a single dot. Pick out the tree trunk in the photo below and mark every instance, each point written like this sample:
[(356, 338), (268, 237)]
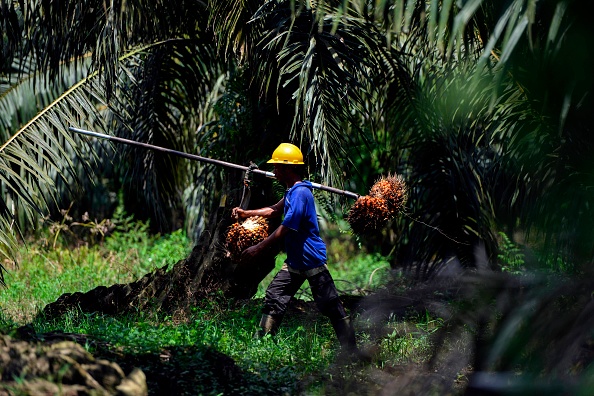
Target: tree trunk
[(206, 270)]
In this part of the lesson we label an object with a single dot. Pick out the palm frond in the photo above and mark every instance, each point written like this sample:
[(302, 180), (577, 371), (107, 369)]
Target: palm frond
[(41, 161), (37, 162), (322, 61), (59, 32), (10, 34), (236, 31), (163, 94), (8, 245)]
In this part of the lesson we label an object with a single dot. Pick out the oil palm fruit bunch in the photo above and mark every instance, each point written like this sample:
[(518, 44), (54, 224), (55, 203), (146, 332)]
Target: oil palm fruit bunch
[(241, 236), (393, 190), (368, 214), (372, 212)]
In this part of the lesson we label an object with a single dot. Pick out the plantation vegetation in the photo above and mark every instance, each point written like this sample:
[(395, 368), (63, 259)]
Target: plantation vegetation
[(115, 270)]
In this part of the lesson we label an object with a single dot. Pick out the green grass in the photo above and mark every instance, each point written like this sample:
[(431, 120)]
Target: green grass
[(45, 271), (304, 347), (299, 349), (409, 343), (228, 331)]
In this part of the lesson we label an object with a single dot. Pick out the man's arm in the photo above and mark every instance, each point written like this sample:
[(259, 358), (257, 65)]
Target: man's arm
[(255, 250), (271, 211)]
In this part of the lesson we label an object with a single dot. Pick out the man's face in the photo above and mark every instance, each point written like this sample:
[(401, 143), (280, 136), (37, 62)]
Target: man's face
[(280, 172)]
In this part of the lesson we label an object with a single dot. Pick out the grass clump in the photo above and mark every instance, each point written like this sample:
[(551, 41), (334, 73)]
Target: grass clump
[(53, 265), (190, 355), (409, 340), (215, 327)]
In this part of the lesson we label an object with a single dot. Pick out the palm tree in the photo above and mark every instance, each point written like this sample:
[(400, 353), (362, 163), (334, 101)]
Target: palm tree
[(155, 81), (341, 78), (109, 58), (484, 106), (482, 128)]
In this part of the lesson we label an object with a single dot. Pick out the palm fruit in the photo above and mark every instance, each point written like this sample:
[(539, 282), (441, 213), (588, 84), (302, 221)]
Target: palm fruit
[(368, 214), (243, 235), (392, 189)]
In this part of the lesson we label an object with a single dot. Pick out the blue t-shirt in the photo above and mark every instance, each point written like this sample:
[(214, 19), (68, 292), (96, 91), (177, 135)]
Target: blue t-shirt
[(305, 248)]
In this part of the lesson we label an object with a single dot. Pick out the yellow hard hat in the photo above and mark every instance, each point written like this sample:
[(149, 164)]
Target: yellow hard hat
[(287, 153)]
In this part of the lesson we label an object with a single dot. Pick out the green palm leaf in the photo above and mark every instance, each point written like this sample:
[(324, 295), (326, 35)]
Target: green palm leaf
[(42, 159), (324, 62), (40, 156), (164, 97)]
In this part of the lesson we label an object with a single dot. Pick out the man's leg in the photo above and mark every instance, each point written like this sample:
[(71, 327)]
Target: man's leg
[(326, 297), (284, 286)]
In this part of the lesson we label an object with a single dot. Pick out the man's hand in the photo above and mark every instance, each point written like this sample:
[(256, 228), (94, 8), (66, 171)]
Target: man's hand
[(238, 213), (249, 253)]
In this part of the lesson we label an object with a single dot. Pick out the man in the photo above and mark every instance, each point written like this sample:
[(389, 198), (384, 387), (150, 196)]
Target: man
[(306, 252)]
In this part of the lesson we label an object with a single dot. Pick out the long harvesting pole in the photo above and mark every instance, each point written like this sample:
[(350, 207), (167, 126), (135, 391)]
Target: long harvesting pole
[(203, 159)]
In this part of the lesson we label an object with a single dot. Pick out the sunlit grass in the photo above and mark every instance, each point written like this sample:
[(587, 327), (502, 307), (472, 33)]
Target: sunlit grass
[(46, 272), (298, 349), (304, 347)]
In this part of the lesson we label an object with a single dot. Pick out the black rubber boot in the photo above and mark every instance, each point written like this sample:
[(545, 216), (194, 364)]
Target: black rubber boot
[(345, 333), (348, 343), (268, 325)]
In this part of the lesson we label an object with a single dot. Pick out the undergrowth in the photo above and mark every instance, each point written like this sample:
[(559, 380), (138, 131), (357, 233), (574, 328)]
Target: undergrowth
[(51, 264), (304, 347), (299, 348)]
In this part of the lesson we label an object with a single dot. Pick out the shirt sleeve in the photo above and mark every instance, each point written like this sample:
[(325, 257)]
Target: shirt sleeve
[(295, 207)]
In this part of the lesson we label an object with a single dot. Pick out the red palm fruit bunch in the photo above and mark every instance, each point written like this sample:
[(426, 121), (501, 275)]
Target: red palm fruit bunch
[(393, 189), (241, 236), (368, 214), (372, 212)]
